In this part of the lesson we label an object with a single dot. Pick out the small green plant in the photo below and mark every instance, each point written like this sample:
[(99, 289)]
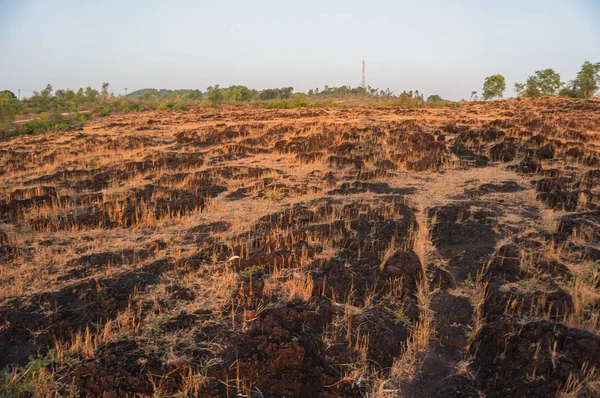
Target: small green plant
[(251, 270), (523, 282), (401, 317), (156, 322), (34, 379), (276, 195), (469, 282)]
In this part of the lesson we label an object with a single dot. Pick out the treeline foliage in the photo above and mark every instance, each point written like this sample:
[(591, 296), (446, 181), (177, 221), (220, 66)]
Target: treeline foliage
[(64, 108), (147, 93), (547, 82), (66, 100), (276, 94), (544, 82)]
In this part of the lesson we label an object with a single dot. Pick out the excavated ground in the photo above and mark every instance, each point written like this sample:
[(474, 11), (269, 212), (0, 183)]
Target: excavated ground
[(449, 252)]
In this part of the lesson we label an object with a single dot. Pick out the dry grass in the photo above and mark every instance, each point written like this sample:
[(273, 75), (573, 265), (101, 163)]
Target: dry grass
[(192, 236)]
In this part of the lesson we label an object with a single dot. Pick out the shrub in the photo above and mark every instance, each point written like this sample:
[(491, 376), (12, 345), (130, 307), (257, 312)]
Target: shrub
[(61, 127), (300, 100), (215, 96), (82, 116)]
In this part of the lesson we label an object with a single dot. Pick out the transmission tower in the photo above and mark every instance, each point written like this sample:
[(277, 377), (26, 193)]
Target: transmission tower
[(363, 83)]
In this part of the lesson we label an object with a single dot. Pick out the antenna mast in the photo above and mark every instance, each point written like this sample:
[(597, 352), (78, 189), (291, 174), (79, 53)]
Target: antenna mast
[(363, 81)]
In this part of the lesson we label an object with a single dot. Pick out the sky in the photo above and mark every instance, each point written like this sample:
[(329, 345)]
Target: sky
[(444, 47)]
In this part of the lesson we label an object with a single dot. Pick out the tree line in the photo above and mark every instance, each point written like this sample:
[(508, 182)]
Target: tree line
[(545, 83), (50, 105)]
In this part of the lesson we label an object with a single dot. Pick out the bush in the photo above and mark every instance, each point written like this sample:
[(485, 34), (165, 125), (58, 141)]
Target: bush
[(215, 96), (300, 100), (82, 116), (35, 126), (62, 127)]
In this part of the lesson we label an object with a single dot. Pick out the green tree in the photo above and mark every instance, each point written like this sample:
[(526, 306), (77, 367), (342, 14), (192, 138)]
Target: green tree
[(65, 99), (9, 93), (545, 82), (42, 100), (548, 81), (474, 96), (588, 78), (215, 96), (520, 89), (195, 94), (47, 92), (91, 94), (239, 93), (234, 94), (277, 93), (300, 100), (571, 90), (493, 86), (9, 106), (433, 99), (105, 91), (530, 89)]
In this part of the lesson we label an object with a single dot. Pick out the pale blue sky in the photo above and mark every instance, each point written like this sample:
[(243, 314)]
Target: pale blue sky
[(444, 47)]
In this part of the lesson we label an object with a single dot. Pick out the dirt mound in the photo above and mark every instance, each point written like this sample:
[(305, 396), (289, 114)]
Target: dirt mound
[(30, 328), (516, 359)]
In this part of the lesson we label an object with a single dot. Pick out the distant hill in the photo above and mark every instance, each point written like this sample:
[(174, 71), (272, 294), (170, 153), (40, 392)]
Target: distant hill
[(162, 91)]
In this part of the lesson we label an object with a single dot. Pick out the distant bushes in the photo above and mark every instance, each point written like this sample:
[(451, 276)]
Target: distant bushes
[(44, 124), (299, 101), (276, 94)]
